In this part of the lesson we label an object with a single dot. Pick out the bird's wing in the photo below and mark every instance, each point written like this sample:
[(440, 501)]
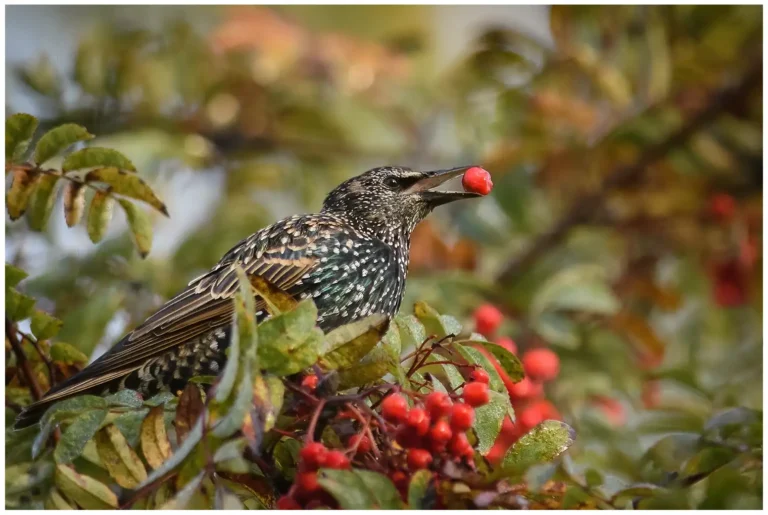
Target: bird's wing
[(204, 305)]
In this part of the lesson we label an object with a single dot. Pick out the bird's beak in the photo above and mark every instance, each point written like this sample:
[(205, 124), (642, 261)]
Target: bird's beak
[(425, 187)]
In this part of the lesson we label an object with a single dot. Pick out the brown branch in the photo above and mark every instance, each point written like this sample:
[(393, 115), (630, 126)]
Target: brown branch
[(43, 356), (587, 205), (29, 375)]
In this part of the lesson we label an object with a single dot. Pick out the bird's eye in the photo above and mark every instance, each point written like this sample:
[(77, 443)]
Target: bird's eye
[(391, 182)]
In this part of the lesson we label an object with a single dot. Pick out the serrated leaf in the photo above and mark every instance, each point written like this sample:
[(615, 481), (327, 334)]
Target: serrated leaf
[(41, 201), (77, 435), (67, 354), (276, 299), (122, 463), (488, 421), (412, 332), (189, 409), (13, 276), (541, 444), (290, 342), (45, 326), (374, 367), (99, 215), (19, 130), (140, 224), (74, 202), (348, 344), (509, 362), (418, 490), (85, 491), (360, 489), (22, 186), (73, 407), (18, 306), (96, 156), (125, 398), (154, 439), (126, 184), (58, 139), (475, 357)]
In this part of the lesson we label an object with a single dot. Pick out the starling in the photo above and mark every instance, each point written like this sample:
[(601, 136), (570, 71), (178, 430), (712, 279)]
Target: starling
[(351, 258)]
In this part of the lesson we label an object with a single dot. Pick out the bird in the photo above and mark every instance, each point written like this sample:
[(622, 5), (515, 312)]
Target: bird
[(350, 258)]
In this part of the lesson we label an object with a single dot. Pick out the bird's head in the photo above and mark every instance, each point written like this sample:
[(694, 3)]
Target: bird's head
[(390, 200)]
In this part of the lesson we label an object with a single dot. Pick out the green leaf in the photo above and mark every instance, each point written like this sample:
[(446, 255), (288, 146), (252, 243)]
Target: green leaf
[(541, 444), (58, 139), (392, 344), (85, 491), (74, 202), (434, 323), (22, 186), (475, 357), (488, 421), (161, 398), (418, 490), (13, 276), (235, 416), (73, 407), (141, 226), (125, 398), (74, 438), (96, 156), (45, 326), (412, 332), (99, 215), (581, 288), (129, 423), (268, 397), (56, 501), (348, 344), (276, 299), (67, 354), (182, 498), (509, 362), (19, 130), (18, 306), (373, 368), (41, 201), (290, 342), (122, 463), (127, 184), (360, 489)]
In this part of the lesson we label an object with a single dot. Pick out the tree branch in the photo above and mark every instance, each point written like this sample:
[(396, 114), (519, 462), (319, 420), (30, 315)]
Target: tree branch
[(586, 206), (26, 369)]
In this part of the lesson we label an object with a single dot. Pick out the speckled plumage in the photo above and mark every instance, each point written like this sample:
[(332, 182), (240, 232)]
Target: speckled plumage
[(351, 258)]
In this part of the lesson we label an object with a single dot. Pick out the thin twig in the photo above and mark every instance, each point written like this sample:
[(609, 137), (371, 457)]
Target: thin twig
[(29, 375), (43, 356)]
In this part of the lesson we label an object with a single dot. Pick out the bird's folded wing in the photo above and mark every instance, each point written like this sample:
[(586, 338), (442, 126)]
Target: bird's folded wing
[(205, 305)]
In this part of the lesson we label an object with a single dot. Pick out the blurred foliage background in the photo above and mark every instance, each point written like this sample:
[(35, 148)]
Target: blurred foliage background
[(624, 231)]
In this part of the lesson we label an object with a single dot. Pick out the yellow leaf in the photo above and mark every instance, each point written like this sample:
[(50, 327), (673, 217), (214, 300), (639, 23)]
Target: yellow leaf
[(74, 202), (154, 440), (18, 195), (141, 226), (85, 491), (277, 300), (99, 215), (41, 202), (125, 183), (122, 462), (56, 501)]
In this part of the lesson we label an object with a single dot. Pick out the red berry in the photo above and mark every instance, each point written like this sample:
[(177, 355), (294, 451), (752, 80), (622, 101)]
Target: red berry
[(313, 455), (418, 420), (613, 410), (407, 438), (364, 445), (307, 482), (288, 503), (462, 417), (460, 447), (476, 394), (309, 382), (531, 417), (438, 404), (722, 206), (400, 480), (541, 364), (419, 459), (394, 408), (480, 375), (477, 180), (488, 318), (336, 460), (440, 432), (525, 389), (507, 343)]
